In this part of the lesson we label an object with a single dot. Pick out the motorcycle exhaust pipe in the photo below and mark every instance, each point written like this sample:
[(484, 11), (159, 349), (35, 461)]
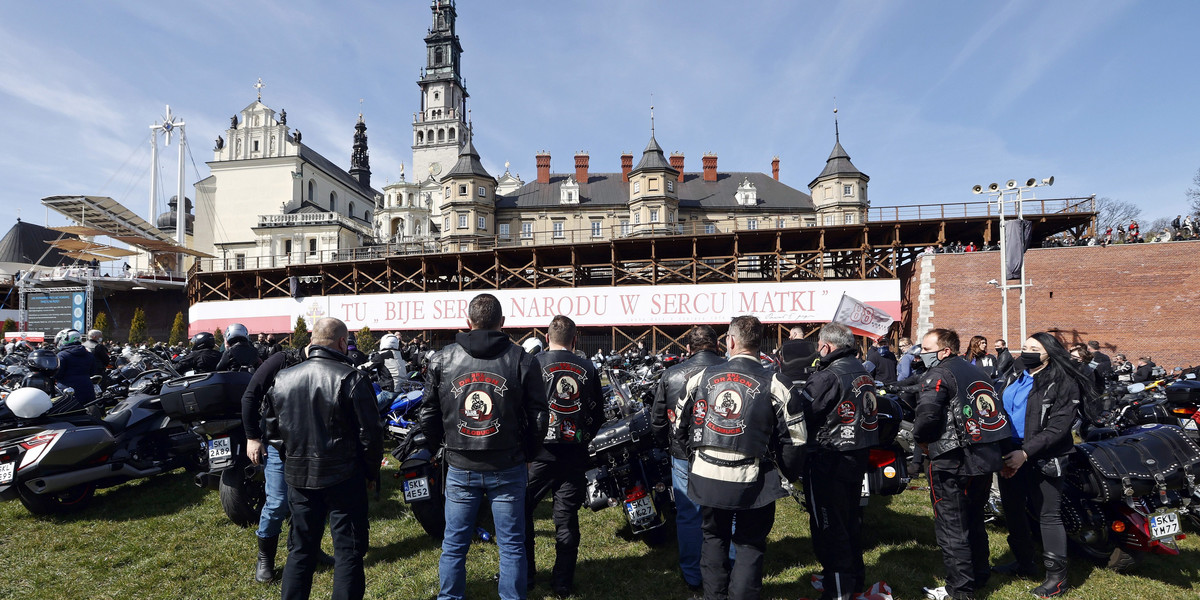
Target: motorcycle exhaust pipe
[(209, 481), (64, 481)]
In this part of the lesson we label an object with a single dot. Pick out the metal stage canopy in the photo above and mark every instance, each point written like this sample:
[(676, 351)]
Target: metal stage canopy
[(101, 215)]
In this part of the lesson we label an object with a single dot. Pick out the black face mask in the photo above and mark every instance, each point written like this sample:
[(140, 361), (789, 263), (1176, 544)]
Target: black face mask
[(1031, 361)]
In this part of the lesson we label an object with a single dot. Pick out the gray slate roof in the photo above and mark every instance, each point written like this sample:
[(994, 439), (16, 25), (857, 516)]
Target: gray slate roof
[(652, 158), (607, 190), (335, 171), (839, 163), (468, 163)]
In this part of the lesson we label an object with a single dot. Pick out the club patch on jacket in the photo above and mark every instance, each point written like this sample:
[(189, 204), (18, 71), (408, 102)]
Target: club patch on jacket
[(476, 405)]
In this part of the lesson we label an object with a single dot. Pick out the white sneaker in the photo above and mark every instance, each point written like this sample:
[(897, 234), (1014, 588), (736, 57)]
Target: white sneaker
[(937, 593)]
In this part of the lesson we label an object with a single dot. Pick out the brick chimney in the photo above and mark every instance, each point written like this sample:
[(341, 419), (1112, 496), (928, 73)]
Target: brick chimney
[(581, 166), (626, 166), (543, 167), (775, 168), (710, 166), (677, 164)]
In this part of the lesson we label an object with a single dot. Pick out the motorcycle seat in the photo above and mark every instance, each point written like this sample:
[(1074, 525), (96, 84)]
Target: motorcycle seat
[(117, 421)]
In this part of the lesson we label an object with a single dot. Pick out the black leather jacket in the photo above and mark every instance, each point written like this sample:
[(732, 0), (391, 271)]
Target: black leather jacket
[(238, 356), (1050, 411), (200, 361), (486, 402), (323, 419), (670, 396)]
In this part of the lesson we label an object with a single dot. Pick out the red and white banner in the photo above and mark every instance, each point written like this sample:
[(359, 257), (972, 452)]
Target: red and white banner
[(863, 318), (786, 302)]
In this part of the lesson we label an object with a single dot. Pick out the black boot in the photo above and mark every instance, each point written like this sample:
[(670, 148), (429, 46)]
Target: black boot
[(1056, 577), (1017, 568), (265, 571)]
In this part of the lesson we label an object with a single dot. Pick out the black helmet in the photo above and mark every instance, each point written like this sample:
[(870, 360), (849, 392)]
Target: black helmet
[(203, 340), (42, 361)]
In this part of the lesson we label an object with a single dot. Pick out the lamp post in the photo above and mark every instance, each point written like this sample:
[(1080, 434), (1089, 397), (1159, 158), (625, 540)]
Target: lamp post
[(1011, 193)]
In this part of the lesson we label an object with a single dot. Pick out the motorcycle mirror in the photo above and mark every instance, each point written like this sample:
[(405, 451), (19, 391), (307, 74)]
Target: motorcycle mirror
[(1135, 388)]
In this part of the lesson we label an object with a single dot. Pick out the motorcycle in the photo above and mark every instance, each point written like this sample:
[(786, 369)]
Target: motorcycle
[(1126, 495), (631, 472), (210, 406), (55, 463)]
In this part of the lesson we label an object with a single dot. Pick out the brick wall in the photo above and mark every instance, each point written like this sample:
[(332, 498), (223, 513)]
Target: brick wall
[(1134, 299)]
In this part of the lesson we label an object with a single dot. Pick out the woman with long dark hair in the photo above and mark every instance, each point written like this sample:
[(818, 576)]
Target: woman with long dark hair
[(1042, 398)]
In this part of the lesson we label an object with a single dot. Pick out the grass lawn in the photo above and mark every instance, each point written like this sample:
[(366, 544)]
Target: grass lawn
[(165, 538)]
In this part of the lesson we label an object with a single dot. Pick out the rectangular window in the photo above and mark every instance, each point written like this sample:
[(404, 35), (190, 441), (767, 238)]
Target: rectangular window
[(462, 189), (240, 259), (828, 192), (779, 224), (482, 192), (830, 220), (670, 216), (287, 246), (596, 229), (256, 145), (637, 187), (483, 223), (751, 223), (637, 218), (847, 190), (558, 229), (312, 246), (503, 230), (447, 192), (710, 228), (654, 215), (464, 247), (670, 185), (624, 228), (462, 220), (654, 184), (849, 219), (527, 229)]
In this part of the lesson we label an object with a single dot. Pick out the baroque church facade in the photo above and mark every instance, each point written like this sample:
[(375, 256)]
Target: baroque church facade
[(453, 204)]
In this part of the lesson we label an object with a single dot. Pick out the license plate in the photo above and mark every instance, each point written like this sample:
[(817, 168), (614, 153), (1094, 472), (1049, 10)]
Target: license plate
[(416, 489), (219, 448), (640, 510), (1164, 525), (6, 471)]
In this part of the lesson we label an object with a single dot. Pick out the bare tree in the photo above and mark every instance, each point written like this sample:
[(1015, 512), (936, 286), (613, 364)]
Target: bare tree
[(1111, 212), (1193, 193)]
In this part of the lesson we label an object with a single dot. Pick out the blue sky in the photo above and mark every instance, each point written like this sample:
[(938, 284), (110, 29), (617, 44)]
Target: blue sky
[(933, 97)]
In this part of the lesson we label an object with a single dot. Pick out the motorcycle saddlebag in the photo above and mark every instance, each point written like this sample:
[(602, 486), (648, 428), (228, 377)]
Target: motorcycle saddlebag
[(887, 472), (1153, 458), (205, 395), (890, 415), (634, 429)]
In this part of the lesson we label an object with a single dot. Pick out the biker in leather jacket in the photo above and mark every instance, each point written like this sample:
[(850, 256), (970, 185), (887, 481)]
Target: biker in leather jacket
[(346, 436)]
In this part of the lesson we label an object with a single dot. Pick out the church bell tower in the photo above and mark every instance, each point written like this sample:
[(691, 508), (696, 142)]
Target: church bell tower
[(441, 125)]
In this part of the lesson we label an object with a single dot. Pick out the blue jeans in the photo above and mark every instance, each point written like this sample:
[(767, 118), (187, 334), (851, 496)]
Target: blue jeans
[(275, 509), (505, 491), (687, 523)]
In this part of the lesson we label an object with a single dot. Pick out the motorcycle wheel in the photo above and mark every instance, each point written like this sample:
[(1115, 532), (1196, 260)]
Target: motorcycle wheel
[(432, 518), (56, 504), (241, 498)]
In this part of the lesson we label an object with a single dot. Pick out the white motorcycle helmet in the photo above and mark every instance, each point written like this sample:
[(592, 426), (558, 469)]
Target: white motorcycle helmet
[(28, 402), (235, 331), (389, 342), (532, 346)]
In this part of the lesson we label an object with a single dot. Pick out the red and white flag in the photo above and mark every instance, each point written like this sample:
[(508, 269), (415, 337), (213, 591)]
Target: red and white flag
[(863, 319)]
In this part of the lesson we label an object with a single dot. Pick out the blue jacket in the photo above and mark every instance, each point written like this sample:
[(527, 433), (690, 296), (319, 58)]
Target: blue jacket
[(75, 366)]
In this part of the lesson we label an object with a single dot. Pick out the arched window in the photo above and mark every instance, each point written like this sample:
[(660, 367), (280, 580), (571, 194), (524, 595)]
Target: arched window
[(451, 133), (420, 137), (333, 201), (367, 216), (312, 191), (429, 136), (441, 135), (350, 211), (437, 56)]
